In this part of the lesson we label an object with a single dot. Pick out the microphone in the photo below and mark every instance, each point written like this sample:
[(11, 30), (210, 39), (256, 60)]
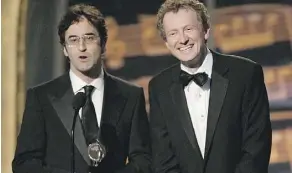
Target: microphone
[(78, 102)]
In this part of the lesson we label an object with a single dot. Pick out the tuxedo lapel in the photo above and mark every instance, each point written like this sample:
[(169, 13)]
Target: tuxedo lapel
[(182, 112), (179, 100), (218, 89), (113, 105), (62, 103)]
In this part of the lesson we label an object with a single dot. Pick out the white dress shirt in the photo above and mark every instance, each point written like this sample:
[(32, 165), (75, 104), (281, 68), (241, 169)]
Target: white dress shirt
[(97, 93), (198, 100)]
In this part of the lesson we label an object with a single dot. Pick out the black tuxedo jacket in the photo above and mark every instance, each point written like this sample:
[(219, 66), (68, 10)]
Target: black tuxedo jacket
[(44, 141), (238, 136)]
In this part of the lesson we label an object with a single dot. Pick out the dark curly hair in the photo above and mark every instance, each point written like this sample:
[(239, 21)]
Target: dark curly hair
[(76, 13)]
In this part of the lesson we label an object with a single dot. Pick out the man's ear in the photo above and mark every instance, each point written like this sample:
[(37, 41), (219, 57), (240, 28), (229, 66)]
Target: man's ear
[(166, 44), (103, 49), (207, 34), (65, 51)]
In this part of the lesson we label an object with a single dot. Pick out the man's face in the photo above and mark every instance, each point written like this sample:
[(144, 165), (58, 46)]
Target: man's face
[(82, 47), (185, 36)]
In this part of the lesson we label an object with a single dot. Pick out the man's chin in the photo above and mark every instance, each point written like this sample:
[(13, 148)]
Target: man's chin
[(89, 71), (187, 58), (193, 61), (85, 70)]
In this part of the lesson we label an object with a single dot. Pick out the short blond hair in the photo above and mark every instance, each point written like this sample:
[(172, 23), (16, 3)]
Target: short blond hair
[(175, 6)]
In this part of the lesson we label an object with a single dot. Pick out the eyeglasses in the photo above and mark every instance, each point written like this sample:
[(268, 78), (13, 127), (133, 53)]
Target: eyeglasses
[(87, 39)]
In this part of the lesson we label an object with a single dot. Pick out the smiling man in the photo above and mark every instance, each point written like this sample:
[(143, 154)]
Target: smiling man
[(209, 113), (114, 112)]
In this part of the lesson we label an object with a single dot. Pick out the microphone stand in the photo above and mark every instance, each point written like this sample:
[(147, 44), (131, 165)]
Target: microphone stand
[(72, 142)]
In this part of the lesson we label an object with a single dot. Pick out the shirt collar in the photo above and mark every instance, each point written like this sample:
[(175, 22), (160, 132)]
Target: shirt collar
[(205, 67), (78, 84)]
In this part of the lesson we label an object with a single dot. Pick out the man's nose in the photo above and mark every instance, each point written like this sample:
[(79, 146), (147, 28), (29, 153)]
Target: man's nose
[(82, 45), (183, 38)]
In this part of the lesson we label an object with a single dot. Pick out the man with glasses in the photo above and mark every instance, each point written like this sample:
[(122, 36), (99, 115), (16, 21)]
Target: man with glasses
[(114, 112)]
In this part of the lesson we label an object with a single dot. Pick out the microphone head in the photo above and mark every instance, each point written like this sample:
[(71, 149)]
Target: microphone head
[(78, 100)]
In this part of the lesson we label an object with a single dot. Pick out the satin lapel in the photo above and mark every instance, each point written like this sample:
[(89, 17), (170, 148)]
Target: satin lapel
[(113, 106), (178, 99), (62, 104), (219, 85)]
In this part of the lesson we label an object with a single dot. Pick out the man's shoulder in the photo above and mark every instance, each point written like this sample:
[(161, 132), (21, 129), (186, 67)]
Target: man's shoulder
[(234, 61), (163, 78), (50, 84), (239, 68), (123, 85)]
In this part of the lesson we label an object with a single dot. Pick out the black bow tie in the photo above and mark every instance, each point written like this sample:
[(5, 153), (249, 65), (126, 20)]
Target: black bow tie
[(199, 78)]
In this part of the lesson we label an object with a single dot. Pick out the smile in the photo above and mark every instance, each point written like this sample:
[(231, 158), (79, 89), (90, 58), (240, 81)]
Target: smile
[(186, 48)]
